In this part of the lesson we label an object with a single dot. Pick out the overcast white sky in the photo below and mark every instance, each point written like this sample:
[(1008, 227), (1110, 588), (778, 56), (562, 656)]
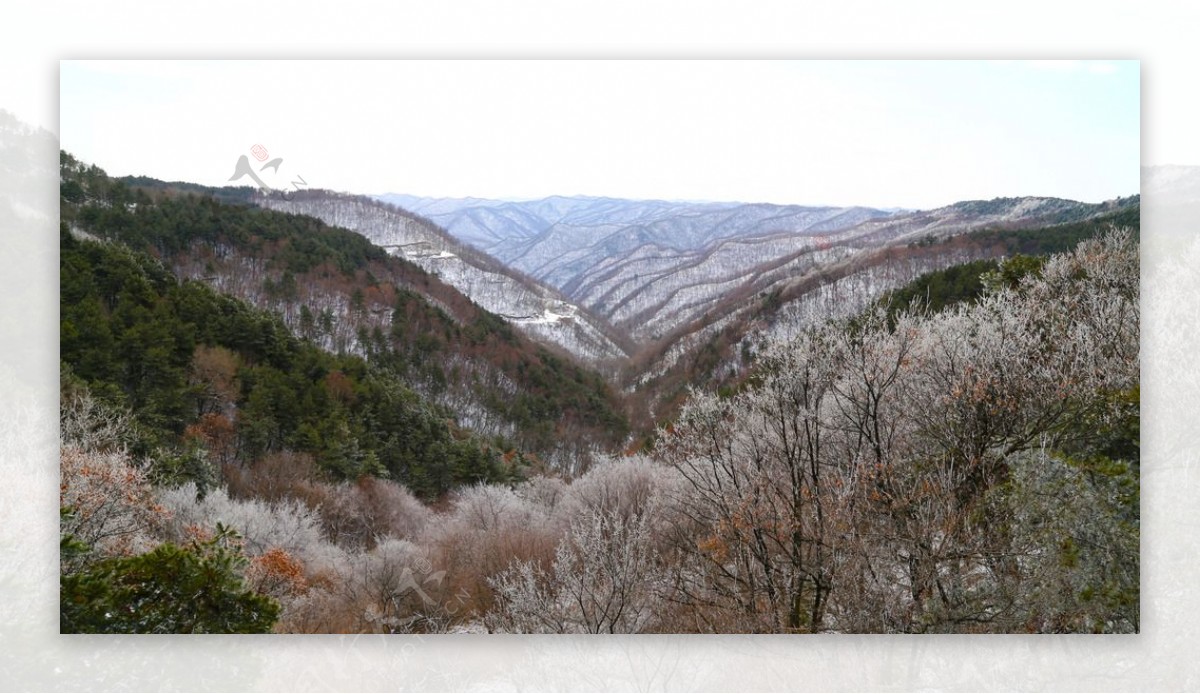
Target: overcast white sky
[(882, 133)]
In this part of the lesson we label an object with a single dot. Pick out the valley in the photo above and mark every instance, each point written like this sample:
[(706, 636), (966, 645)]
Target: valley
[(650, 266), (591, 346), (606, 403), (651, 297), (687, 283), (535, 308)]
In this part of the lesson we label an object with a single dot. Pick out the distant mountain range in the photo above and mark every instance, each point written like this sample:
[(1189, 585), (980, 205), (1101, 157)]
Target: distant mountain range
[(655, 296), (650, 266)]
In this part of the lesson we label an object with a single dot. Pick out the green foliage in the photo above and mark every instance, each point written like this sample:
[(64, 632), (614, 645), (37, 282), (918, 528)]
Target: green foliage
[(1060, 238), (772, 301), (1105, 449), (108, 334), (237, 195), (168, 218), (936, 290), (1105, 444), (188, 463), (1012, 270), (130, 332), (170, 590), (72, 552), (1027, 251)]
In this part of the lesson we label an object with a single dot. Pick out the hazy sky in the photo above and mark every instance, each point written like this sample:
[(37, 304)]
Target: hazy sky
[(906, 133)]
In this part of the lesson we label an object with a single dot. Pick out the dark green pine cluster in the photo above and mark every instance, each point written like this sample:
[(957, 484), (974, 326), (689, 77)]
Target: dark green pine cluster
[(182, 357)]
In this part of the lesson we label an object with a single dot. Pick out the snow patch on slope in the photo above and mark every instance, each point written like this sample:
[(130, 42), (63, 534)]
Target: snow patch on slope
[(537, 310)]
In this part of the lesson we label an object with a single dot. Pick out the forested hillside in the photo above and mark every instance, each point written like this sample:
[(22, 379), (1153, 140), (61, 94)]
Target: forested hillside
[(210, 381), (269, 423), (972, 469), (930, 272), (347, 296), (532, 308), (221, 457), (175, 395)]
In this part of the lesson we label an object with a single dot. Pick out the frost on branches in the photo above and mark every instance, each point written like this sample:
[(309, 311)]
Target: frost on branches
[(973, 470)]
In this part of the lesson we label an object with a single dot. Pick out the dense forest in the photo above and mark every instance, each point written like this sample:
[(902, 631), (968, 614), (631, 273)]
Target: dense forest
[(934, 273), (211, 381), (960, 456), (335, 289)]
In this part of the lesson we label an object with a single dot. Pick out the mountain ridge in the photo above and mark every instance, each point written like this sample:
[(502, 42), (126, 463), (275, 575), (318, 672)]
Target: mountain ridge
[(649, 266), (539, 310), (332, 287)]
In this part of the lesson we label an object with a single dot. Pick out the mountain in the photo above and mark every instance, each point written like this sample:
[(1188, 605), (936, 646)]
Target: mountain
[(716, 350), (540, 311), (650, 266), (698, 286), (296, 419), (336, 290), (645, 265), (658, 295)]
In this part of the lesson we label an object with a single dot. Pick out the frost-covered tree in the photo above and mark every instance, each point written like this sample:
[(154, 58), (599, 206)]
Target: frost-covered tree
[(117, 574), (767, 476), (605, 578), (487, 528), (898, 475), (108, 498)]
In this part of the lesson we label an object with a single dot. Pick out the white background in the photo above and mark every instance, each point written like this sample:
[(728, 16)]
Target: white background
[(1163, 657)]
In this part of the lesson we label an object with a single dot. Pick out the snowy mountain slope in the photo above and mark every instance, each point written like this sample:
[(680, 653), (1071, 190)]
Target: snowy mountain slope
[(650, 266), (538, 310), (840, 279), (646, 265), (847, 269)]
